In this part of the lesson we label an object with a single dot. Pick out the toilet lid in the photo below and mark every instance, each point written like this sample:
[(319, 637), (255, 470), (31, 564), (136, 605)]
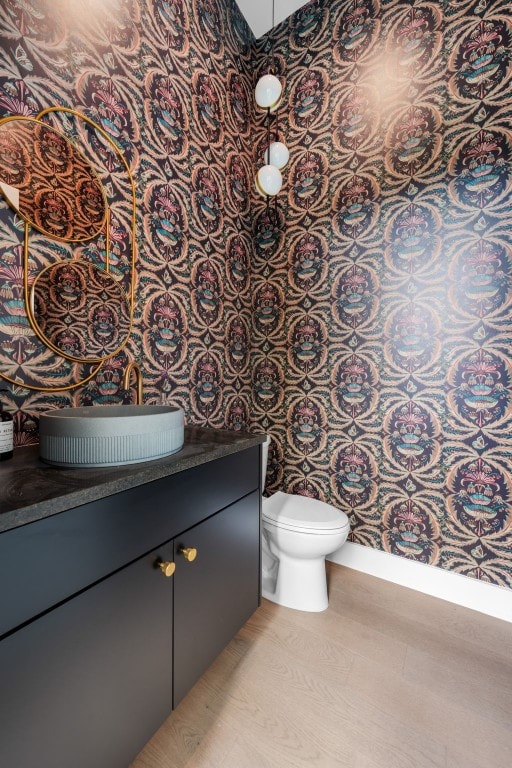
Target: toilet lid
[(303, 513)]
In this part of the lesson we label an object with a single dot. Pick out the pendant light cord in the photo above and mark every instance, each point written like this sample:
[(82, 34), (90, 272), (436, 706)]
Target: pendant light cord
[(272, 43)]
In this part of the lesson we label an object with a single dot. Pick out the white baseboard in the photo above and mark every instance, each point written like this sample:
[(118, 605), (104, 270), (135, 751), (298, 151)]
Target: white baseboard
[(462, 590)]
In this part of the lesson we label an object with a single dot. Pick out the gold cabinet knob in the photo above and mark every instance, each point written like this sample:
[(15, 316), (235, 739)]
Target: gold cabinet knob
[(167, 568), (189, 553)]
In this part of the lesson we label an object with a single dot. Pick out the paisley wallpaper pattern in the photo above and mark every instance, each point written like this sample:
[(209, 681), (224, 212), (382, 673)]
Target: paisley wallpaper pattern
[(370, 331), (382, 317)]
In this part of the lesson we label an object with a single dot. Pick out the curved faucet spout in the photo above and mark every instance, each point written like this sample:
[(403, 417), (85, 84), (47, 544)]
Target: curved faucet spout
[(138, 379)]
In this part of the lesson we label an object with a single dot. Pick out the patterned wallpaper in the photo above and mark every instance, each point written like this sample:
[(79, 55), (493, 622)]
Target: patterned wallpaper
[(382, 308), (168, 82), (369, 333)]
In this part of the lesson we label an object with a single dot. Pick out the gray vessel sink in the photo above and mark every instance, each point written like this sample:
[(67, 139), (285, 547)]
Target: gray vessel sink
[(109, 435)]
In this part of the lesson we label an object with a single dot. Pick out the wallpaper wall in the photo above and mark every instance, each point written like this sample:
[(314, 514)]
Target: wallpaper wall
[(369, 332), (382, 304), (168, 82)]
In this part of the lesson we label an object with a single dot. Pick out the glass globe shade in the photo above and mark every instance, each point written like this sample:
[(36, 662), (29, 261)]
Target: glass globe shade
[(277, 154), (268, 92), (269, 180)]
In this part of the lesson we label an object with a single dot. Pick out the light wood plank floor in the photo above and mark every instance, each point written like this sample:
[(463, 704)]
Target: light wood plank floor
[(384, 678)]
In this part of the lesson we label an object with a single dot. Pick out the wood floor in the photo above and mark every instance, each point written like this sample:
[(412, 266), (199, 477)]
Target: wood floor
[(385, 678)]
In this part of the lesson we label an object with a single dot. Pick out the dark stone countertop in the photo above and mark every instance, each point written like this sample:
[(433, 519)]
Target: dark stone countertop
[(31, 490)]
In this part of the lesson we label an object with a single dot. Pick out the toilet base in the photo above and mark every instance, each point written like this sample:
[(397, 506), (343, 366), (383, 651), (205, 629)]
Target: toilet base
[(301, 584)]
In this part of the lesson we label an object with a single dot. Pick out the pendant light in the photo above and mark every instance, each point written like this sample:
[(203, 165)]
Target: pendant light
[(277, 154), (268, 92), (269, 180), (268, 95)]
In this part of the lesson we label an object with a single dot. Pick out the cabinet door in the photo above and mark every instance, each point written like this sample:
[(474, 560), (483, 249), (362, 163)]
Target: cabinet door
[(218, 591), (88, 683)]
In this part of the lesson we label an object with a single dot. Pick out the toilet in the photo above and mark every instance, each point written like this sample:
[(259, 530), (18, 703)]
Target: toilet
[(297, 534)]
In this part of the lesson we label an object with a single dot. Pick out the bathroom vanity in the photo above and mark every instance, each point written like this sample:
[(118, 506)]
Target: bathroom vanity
[(118, 588)]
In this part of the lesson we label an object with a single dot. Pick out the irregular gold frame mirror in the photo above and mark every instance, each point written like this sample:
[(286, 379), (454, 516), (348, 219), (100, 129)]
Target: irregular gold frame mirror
[(79, 310)]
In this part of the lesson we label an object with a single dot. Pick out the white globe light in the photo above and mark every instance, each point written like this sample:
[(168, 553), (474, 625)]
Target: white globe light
[(269, 180), (268, 92), (277, 154)]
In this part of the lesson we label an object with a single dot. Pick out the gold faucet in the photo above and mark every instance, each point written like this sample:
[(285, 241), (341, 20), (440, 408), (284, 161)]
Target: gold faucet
[(138, 378)]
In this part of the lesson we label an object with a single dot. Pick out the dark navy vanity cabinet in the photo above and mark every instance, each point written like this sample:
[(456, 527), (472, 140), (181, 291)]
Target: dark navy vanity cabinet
[(97, 643)]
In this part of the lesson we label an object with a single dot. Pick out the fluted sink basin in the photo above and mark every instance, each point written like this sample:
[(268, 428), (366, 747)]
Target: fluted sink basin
[(109, 435)]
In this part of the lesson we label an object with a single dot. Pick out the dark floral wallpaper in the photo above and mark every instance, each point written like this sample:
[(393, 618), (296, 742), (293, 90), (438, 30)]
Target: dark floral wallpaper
[(382, 305), (369, 331)]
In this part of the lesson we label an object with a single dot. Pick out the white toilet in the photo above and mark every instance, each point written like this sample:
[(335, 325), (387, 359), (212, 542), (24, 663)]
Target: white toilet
[(298, 533)]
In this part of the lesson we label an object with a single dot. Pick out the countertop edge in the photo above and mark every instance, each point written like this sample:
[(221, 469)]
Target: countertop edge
[(64, 489)]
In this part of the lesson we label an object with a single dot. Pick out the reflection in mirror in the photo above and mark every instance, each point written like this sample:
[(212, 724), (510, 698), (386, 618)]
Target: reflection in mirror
[(80, 307), (80, 311), (49, 182)]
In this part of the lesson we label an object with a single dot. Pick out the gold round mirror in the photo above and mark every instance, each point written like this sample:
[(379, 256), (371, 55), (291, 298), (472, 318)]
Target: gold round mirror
[(48, 181), (80, 311)]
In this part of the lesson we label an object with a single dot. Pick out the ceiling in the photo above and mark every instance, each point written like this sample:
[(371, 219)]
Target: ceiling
[(258, 13)]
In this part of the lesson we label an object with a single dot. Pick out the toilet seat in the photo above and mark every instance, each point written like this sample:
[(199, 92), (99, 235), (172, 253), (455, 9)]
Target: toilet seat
[(303, 514)]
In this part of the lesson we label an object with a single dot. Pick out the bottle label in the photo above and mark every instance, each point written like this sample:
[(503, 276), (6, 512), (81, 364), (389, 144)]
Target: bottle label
[(6, 436)]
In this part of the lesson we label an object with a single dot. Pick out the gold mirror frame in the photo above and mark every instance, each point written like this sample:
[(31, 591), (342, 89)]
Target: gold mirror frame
[(27, 288)]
